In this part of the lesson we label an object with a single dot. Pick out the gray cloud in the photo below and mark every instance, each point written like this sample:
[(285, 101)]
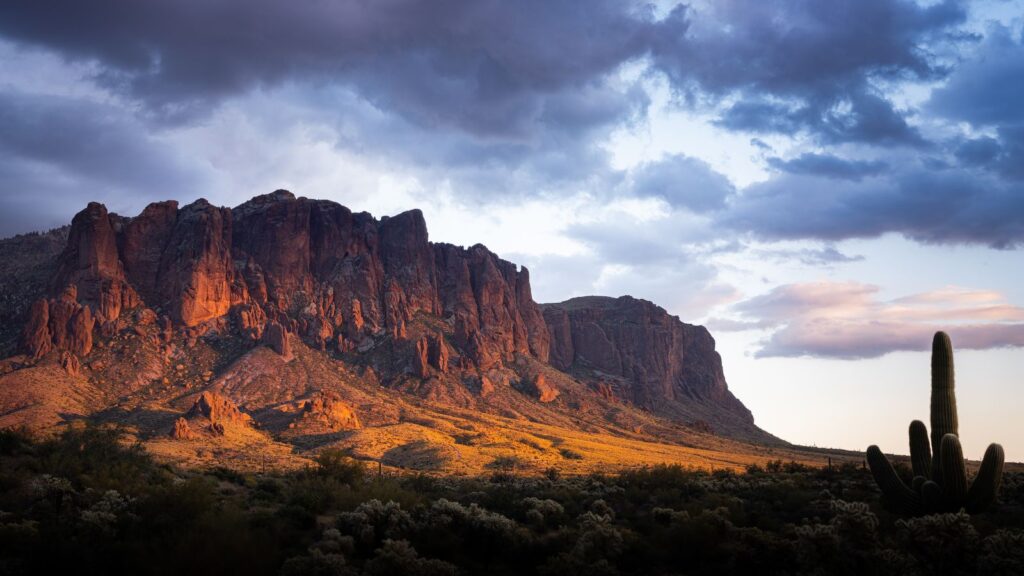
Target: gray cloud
[(808, 66), (988, 88), (57, 152), (683, 182), (921, 202), (829, 166), (486, 68)]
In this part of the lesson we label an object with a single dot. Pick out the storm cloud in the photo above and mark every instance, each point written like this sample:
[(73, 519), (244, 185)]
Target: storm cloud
[(865, 118)]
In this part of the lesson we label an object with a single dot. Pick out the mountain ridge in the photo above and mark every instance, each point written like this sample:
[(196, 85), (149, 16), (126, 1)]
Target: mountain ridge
[(200, 285)]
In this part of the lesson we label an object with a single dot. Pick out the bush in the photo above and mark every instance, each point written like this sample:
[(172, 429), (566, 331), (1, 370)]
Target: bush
[(336, 464)]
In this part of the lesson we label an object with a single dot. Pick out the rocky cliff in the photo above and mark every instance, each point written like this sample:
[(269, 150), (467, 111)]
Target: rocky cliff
[(635, 350), (456, 326), (333, 277)]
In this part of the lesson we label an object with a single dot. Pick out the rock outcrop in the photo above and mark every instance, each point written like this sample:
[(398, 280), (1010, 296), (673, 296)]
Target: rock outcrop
[(276, 337), (220, 411), (60, 323), (655, 356), (542, 389), (328, 410), (182, 430)]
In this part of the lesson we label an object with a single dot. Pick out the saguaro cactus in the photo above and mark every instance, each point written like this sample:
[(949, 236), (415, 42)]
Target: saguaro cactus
[(940, 476)]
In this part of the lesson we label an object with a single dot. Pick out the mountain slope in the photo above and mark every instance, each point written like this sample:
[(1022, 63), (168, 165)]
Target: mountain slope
[(327, 326)]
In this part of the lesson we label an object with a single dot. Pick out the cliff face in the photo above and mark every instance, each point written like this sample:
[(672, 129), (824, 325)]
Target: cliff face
[(333, 277), (280, 270), (652, 357)]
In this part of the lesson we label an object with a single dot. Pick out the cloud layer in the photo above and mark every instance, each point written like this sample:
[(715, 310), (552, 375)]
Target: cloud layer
[(866, 118)]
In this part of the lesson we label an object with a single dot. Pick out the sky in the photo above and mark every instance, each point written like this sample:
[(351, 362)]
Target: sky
[(823, 184)]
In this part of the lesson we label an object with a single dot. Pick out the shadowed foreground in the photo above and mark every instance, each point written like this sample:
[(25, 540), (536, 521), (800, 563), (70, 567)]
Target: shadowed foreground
[(87, 503)]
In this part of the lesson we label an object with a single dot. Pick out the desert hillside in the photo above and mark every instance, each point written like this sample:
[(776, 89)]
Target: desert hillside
[(272, 330)]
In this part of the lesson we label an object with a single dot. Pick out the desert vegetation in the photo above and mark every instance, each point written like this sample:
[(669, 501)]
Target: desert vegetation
[(87, 501)]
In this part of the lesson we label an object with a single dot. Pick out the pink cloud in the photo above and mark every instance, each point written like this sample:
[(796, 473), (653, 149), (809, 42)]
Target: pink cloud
[(848, 320)]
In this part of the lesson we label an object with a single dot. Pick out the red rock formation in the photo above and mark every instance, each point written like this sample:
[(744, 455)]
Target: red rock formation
[(182, 430), (36, 337), (92, 264), (438, 353), (338, 277), (661, 358), (276, 337), (142, 246), (70, 363), (219, 410), (420, 363), (59, 324), (196, 278), (486, 386), (328, 409), (280, 266), (544, 391)]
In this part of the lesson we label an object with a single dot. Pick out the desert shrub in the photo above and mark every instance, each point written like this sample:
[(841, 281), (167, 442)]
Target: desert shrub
[(543, 513), (336, 464), (505, 463), (326, 557), (97, 457), (317, 563), (229, 475), (399, 558), (14, 441), (373, 522), (61, 512), (1002, 553), (472, 534), (941, 543), (570, 454)]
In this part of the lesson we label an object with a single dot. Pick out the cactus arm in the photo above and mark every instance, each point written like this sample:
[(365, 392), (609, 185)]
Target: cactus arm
[(931, 496), (954, 472), (895, 491), (943, 403), (920, 450), (986, 484)]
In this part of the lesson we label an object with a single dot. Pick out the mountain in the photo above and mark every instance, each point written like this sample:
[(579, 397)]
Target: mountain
[(322, 326)]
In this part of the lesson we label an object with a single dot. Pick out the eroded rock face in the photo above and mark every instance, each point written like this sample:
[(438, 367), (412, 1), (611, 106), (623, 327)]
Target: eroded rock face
[(91, 262), (60, 323), (659, 357), (329, 276)]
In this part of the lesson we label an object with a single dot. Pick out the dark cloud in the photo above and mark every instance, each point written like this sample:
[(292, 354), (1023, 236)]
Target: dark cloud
[(502, 69), (799, 65), (484, 67), (978, 151), (55, 152), (936, 206), (829, 166), (988, 88)]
